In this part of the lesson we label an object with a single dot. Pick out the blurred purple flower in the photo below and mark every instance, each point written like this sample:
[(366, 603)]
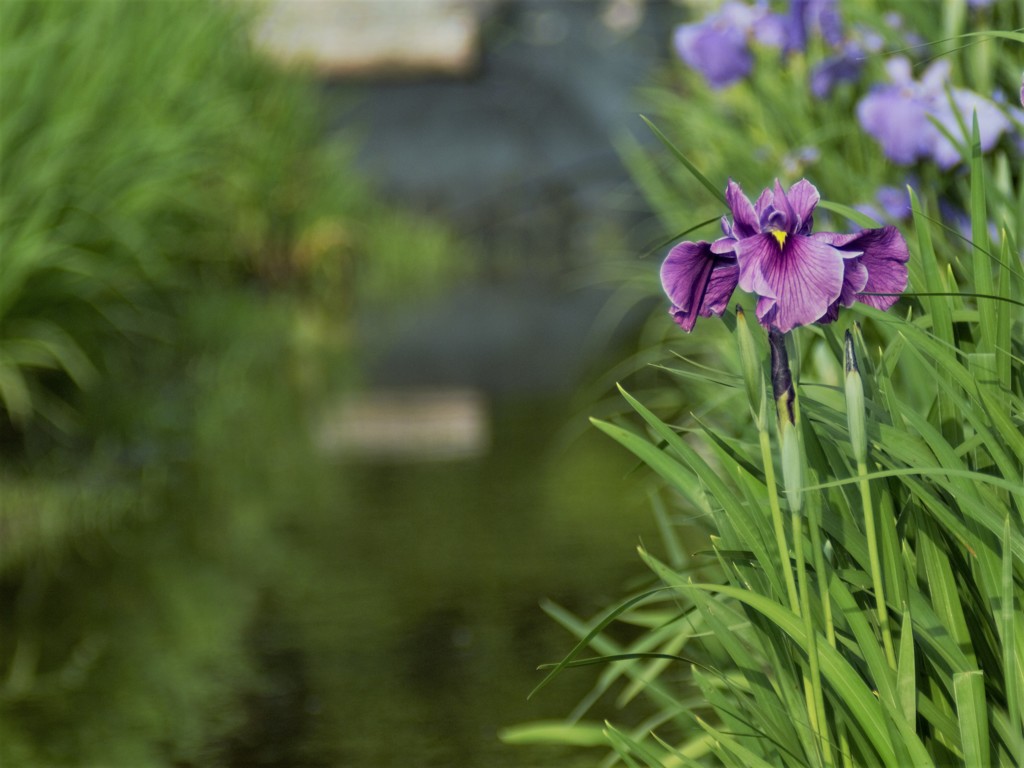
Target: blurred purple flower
[(899, 116), (718, 47), (769, 250), (844, 67), (794, 162), (805, 16), (890, 203), (894, 201)]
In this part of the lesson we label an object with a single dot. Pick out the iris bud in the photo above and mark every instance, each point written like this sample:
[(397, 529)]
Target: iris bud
[(855, 403)]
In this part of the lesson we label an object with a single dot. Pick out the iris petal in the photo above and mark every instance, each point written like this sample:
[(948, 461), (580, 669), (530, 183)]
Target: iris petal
[(697, 282), (803, 198), (745, 221), (800, 281), (883, 254)]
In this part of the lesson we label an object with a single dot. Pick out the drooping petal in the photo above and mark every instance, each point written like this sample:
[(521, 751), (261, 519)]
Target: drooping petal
[(799, 280), (855, 278), (724, 245), (697, 282), (885, 258), (722, 283), (883, 254)]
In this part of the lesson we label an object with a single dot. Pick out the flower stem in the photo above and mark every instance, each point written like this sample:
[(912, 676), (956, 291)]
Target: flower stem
[(812, 686), (855, 414), (793, 470), (821, 568)]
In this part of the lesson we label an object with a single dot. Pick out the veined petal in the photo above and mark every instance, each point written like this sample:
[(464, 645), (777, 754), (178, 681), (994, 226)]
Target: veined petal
[(803, 198), (885, 258), (782, 205), (697, 282), (883, 254), (724, 245), (855, 278), (803, 278), (843, 242), (721, 285), (744, 217)]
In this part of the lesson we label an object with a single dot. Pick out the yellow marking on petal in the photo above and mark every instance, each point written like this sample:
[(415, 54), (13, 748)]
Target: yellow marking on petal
[(779, 235)]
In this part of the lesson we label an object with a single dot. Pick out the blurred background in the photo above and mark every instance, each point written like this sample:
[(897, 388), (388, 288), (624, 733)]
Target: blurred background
[(303, 309)]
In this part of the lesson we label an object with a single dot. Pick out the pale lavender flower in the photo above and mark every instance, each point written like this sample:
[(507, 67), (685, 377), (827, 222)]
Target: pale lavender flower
[(719, 46), (844, 67), (894, 201), (806, 16), (799, 277), (899, 116)]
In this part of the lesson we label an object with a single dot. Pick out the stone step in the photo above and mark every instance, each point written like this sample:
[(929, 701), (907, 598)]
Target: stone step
[(405, 425), (374, 38)]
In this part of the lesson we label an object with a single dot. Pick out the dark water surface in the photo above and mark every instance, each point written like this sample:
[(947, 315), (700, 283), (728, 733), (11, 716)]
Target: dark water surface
[(397, 603), (411, 632), (415, 634)]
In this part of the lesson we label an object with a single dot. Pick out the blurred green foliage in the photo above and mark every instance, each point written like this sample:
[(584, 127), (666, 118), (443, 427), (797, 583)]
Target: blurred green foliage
[(131, 583), (181, 252), (145, 147)]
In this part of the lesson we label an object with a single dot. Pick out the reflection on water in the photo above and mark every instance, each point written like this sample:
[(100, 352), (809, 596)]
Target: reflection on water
[(266, 606), (408, 630), (255, 604)]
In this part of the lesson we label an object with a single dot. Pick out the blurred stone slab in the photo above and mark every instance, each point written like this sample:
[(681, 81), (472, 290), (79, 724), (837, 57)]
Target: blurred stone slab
[(372, 38), (405, 425)]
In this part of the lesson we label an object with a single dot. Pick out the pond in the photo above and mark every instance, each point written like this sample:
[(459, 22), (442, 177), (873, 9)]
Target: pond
[(277, 605), (410, 632)]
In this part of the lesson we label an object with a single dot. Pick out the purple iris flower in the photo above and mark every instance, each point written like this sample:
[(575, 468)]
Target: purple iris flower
[(890, 203), (804, 16), (899, 116), (799, 277), (719, 46), (844, 67)]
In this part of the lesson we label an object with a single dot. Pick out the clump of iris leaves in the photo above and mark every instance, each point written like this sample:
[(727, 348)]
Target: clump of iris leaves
[(916, 661)]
